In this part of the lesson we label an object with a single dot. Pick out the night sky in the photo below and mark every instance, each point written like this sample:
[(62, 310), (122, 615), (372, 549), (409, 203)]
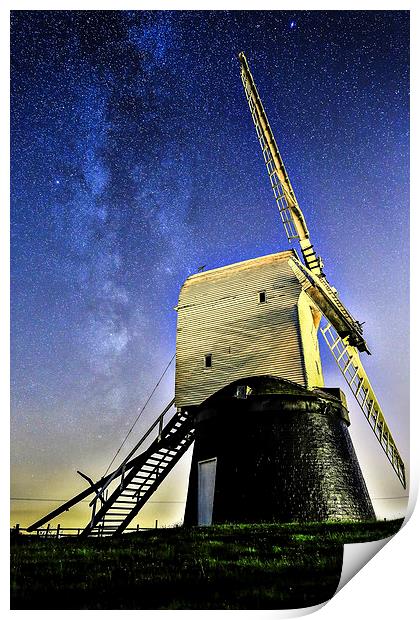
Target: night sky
[(135, 161)]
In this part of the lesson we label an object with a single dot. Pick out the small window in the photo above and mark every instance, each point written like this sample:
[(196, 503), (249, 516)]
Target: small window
[(261, 297), (240, 391), (207, 361)]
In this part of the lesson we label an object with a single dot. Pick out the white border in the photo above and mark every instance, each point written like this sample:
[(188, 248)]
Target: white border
[(387, 586)]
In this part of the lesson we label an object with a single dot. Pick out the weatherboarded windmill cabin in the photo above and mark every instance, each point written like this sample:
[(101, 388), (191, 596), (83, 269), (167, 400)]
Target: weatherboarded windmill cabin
[(247, 319)]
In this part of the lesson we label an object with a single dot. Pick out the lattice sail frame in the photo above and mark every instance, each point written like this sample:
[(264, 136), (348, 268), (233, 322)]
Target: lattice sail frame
[(351, 367), (276, 184), (287, 204)]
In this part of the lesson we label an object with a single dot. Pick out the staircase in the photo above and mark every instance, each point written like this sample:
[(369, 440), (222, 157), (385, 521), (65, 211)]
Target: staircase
[(348, 361), (139, 478)]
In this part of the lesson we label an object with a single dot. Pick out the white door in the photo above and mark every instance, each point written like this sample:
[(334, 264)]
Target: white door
[(206, 481)]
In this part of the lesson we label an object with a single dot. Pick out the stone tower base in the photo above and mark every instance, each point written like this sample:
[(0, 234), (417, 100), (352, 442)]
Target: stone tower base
[(269, 450)]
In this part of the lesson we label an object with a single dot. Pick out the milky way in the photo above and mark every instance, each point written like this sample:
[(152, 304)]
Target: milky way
[(134, 161)]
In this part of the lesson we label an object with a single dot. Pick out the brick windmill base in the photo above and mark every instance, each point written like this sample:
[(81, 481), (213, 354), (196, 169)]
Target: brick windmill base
[(270, 450)]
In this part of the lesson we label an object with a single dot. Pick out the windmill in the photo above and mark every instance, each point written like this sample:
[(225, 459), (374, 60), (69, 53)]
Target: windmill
[(270, 441)]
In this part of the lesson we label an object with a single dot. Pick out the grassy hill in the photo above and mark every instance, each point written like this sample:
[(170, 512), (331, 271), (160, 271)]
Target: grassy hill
[(264, 566)]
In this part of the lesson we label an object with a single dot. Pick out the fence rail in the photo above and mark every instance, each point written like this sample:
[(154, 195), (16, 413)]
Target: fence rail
[(63, 532)]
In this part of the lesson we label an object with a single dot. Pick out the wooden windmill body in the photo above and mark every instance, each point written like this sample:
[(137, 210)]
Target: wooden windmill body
[(251, 318)]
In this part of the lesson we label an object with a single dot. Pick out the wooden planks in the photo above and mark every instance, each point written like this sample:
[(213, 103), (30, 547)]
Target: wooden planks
[(219, 313)]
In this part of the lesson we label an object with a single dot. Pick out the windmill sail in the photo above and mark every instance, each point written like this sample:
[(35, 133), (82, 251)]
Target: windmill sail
[(290, 212), (343, 334), (351, 367)]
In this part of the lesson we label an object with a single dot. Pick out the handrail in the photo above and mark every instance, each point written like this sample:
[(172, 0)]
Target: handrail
[(103, 482), (158, 420)]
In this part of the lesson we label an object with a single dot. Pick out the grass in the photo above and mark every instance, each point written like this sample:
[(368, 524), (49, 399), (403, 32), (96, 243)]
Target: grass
[(263, 566)]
